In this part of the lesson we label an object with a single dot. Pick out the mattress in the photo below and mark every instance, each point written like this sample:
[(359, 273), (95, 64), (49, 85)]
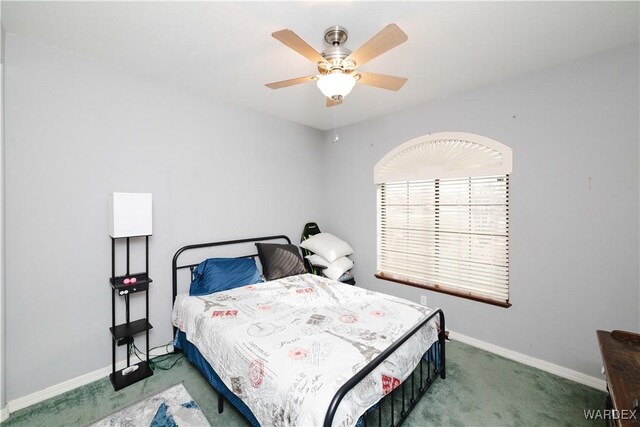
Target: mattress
[(285, 347)]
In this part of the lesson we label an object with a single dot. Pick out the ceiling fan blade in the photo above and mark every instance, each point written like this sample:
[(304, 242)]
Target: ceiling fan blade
[(388, 38), (381, 80), (333, 103), (292, 40), (290, 82)]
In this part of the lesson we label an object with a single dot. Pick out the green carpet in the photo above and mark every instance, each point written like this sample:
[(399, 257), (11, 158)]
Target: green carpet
[(481, 389)]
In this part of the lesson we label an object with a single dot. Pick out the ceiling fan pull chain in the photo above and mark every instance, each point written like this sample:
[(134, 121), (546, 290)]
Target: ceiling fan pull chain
[(335, 126)]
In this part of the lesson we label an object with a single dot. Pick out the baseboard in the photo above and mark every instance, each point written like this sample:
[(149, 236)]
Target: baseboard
[(49, 392), (560, 371), (4, 414)]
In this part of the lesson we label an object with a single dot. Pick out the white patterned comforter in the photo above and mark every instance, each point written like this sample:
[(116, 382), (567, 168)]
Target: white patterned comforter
[(285, 347)]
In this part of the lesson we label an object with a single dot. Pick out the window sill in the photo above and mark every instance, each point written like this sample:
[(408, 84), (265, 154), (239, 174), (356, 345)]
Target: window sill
[(447, 291)]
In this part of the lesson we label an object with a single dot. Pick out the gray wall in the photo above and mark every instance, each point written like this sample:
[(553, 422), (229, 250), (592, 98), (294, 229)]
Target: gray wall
[(574, 250), (78, 130), (3, 357)]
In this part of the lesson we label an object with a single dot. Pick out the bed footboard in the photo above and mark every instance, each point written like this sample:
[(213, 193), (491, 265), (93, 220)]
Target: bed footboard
[(416, 392)]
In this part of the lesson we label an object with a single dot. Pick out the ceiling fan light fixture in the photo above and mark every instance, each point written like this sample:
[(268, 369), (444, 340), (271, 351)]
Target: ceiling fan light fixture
[(336, 85), (337, 65)]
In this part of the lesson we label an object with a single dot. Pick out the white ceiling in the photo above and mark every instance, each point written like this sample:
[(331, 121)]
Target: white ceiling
[(225, 49)]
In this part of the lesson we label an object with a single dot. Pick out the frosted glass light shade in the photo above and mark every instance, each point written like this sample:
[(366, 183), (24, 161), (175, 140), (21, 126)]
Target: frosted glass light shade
[(336, 85), (130, 214)]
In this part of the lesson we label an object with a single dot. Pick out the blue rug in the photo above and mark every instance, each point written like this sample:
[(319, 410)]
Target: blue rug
[(173, 407)]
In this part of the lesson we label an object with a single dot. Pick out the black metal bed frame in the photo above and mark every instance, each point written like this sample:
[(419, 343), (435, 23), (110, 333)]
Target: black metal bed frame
[(433, 369)]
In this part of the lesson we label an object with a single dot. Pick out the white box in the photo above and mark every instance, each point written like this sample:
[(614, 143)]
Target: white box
[(130, 214)]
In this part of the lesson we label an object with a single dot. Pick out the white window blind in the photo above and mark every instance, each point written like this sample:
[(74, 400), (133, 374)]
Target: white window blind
[(447, 234), (443, 215)]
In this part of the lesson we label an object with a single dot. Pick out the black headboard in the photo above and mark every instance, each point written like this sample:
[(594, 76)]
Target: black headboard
[(175, 267)]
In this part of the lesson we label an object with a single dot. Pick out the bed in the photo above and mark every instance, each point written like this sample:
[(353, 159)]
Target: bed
[(305, 350)]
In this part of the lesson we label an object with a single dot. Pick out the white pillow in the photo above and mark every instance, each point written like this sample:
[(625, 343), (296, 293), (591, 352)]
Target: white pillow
[(327, 246), (318, 261), (338, 268)]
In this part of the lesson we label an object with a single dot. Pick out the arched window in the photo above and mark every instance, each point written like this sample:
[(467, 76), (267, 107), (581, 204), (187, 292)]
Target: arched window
[(443, 215)]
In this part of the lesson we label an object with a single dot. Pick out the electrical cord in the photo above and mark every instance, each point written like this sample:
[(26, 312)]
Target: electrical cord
[(163, 368), (155, 362), (166, 347)]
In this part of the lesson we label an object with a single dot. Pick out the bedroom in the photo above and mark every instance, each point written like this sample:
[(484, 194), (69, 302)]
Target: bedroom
[(169, 99)]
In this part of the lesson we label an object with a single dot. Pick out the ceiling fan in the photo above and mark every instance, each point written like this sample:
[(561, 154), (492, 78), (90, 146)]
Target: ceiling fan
[(338, 65)]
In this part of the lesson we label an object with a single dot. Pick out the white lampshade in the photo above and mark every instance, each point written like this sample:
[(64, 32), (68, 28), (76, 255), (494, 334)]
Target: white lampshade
[(336, 85), (130, 214)]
